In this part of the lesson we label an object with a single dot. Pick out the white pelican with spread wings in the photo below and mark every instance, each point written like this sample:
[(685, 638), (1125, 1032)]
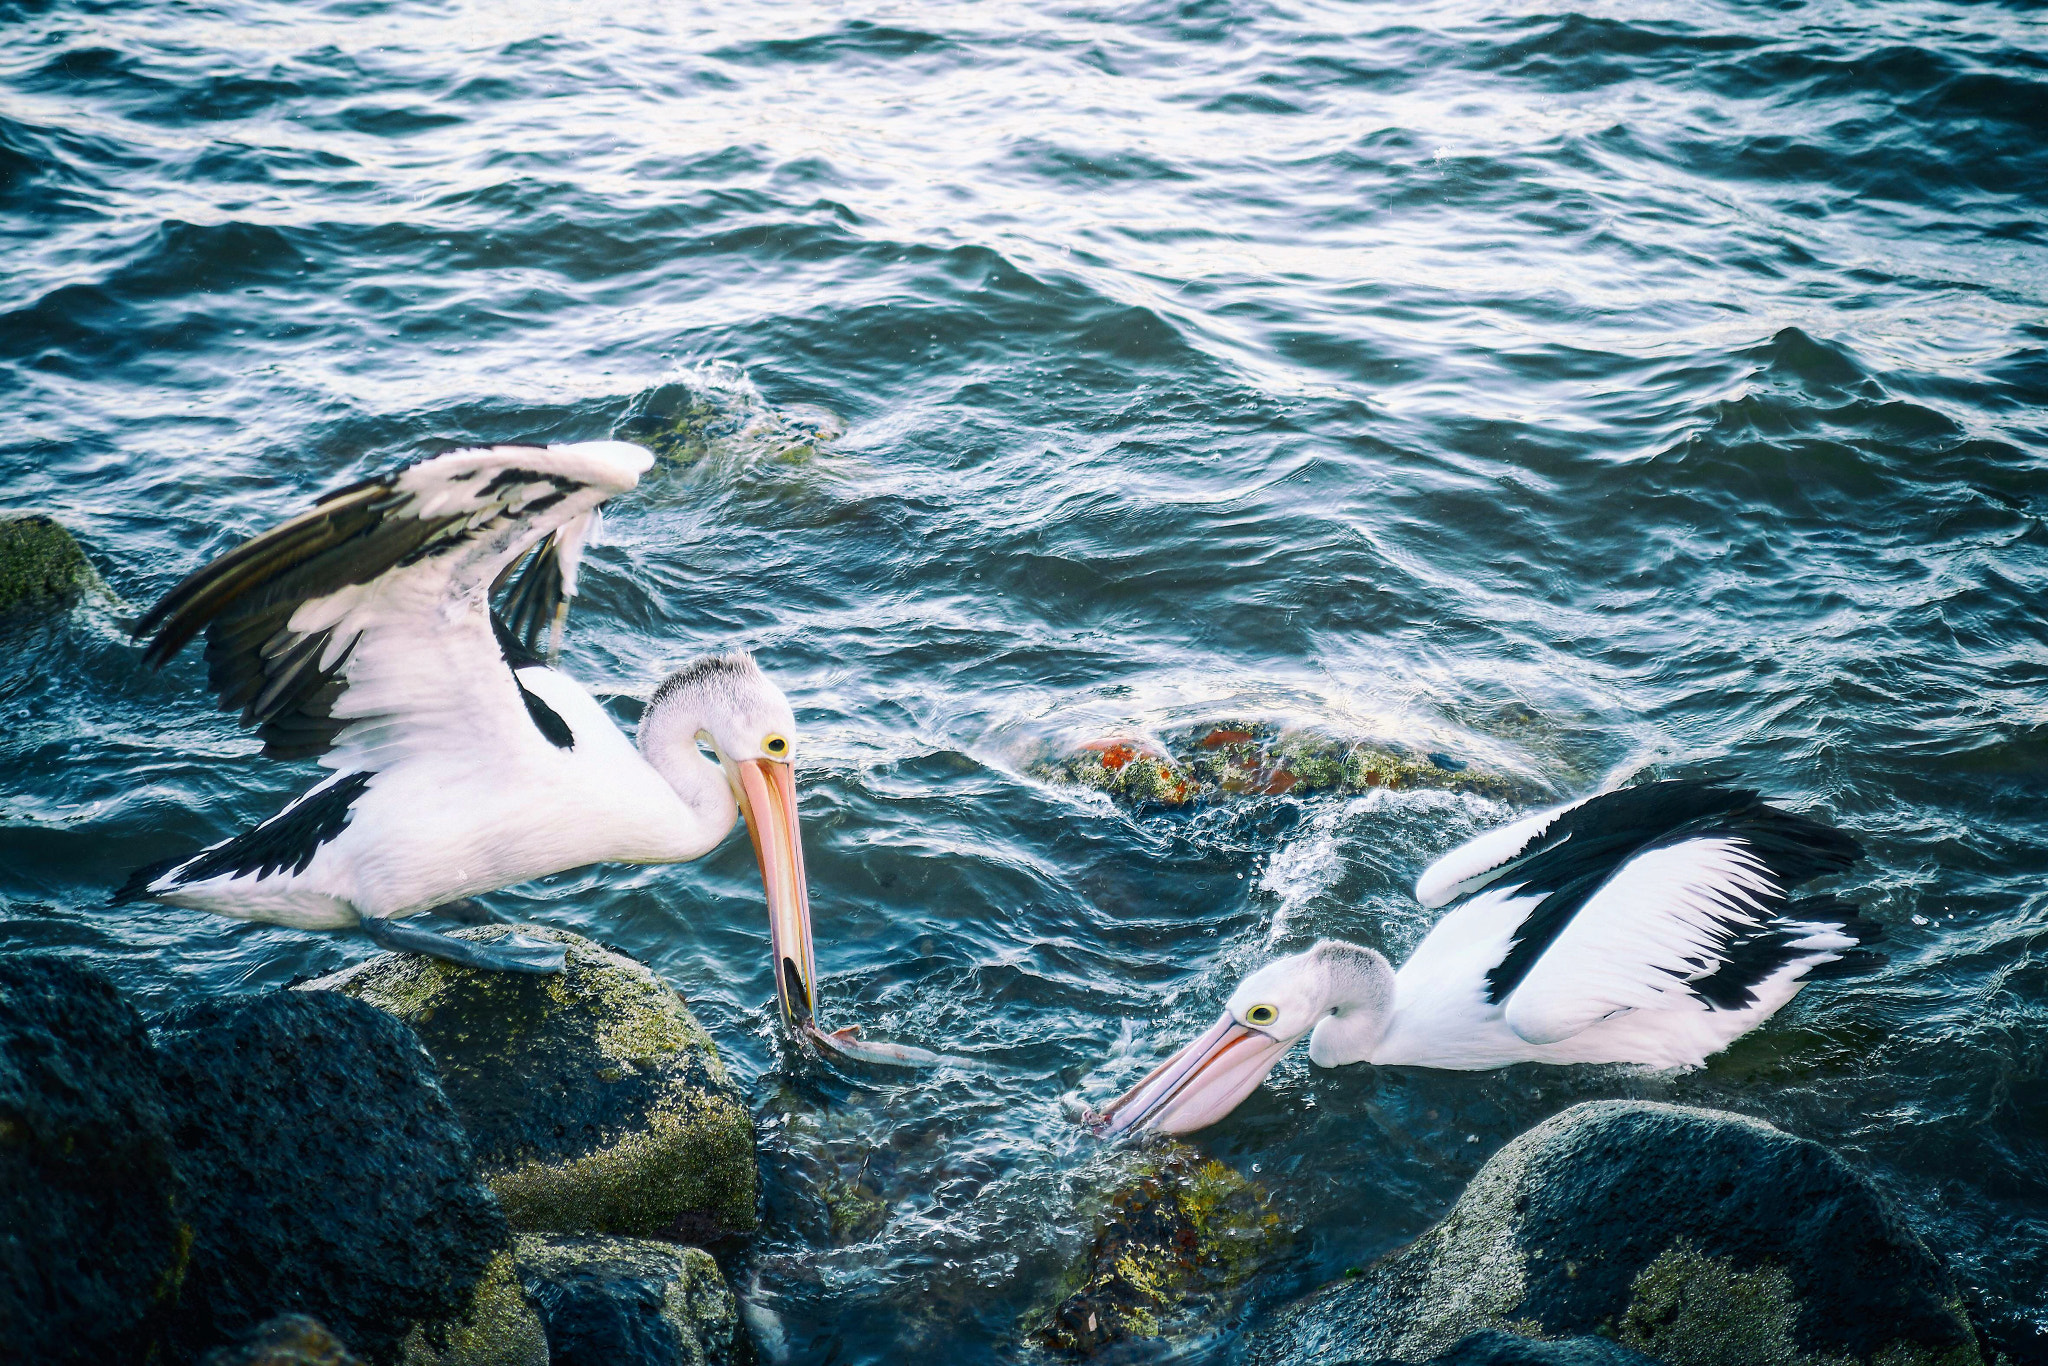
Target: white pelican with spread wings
[(362, 633)]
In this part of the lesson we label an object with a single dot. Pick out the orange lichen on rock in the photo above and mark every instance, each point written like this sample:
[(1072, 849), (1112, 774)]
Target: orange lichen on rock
[(1233, 757)]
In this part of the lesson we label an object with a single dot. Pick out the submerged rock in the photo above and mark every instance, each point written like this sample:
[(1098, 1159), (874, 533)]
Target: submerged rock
[(41, 565), (93, 1244), (1696, 1237), (628, 1302), (1502, 1349), (1219, 760), (287, 1340), (840, 1169), (596, 1102), (1177, 1241), (328, 1174), (716, 412)]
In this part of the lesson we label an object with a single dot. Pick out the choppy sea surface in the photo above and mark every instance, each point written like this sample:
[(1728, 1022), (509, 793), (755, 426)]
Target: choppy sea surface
[(1633, 388)]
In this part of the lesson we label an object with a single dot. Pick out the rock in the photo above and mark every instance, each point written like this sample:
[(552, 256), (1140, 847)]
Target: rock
[(329, 1175), (1218, 760), (41, 565), (1697, 1237), (628, 1302), (715, 413), (1501, 1349), (1177, 1240), (287, 1340), (93, 1247), (596, 1102), (840, 1168)]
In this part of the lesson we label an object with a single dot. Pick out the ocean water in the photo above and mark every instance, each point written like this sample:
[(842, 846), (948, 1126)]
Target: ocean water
[(1589, 392)]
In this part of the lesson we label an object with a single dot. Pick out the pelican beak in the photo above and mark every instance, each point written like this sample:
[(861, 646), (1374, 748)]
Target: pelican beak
[(767, 799), (1203, 1082)]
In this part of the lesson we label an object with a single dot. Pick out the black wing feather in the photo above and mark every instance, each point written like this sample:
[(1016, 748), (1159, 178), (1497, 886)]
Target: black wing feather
[(1587, 845), (244, 600)]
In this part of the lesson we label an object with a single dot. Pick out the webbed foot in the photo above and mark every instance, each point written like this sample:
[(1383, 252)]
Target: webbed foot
[(513, 953)]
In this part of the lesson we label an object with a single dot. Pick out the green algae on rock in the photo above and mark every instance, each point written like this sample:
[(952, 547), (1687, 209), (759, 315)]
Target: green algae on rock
[(845, 1166), (596, 1102), (628, 1301), (1218, 760), (498, 1328), (41, 565), (721, 414), (1177, 1240), (1695, 1237)]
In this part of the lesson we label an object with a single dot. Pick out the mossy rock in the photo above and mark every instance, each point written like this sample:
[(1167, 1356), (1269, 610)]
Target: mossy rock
[(41, 565), (497, 1328), (596, 1102), (1221, 760), (628, 1301), (1177, 1240), (1695, 1237), (684, 424)]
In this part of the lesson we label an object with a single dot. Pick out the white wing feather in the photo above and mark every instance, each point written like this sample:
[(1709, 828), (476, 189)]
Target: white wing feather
[(1657, 923), (390, 583), (1484, 858)]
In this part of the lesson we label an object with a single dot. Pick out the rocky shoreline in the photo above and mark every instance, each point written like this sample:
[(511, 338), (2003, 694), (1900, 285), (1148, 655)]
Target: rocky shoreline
[(413, 1164), (310, 1176)]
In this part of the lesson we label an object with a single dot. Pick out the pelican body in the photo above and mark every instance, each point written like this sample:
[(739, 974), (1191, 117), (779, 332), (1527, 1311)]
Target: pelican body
[(362, 633), (1650, 925)]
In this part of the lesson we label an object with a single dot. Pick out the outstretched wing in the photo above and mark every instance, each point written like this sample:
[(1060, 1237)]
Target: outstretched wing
[(362, 628)]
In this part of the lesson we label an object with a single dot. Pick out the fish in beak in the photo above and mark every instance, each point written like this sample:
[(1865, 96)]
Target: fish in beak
[(766, 789), (1203, 1082)]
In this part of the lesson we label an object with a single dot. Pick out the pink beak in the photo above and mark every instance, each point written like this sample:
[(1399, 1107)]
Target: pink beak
[(767, 799), (1200, 1084)]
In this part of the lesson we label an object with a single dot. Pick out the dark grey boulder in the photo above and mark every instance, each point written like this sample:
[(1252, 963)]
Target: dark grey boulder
[(628, 1301), (93, 1248), (328, 1175), (596, 1102), (1697, 1237)]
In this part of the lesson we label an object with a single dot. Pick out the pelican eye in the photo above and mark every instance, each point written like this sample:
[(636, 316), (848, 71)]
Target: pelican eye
[(1261, 1015), (776, 746)]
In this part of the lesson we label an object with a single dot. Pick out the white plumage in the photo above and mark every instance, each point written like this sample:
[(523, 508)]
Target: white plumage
[(1650, 925), (362, 633)]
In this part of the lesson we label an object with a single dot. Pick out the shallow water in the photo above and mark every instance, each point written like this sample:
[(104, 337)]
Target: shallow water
[(1641, 388)]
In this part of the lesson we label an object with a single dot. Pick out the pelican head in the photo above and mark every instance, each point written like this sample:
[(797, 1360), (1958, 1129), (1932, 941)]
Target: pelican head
[(725, 703), (1340, 995)]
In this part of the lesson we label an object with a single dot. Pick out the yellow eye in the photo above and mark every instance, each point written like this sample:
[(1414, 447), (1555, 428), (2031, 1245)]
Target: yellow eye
[(1261, 1015), (775, 745)]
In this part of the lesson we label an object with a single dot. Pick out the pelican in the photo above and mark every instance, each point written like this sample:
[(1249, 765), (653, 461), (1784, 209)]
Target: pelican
[(1651, 925), (361, 633)]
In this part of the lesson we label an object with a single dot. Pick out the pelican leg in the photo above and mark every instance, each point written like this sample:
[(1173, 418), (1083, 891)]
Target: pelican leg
[(470, 911), (510, 954)]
